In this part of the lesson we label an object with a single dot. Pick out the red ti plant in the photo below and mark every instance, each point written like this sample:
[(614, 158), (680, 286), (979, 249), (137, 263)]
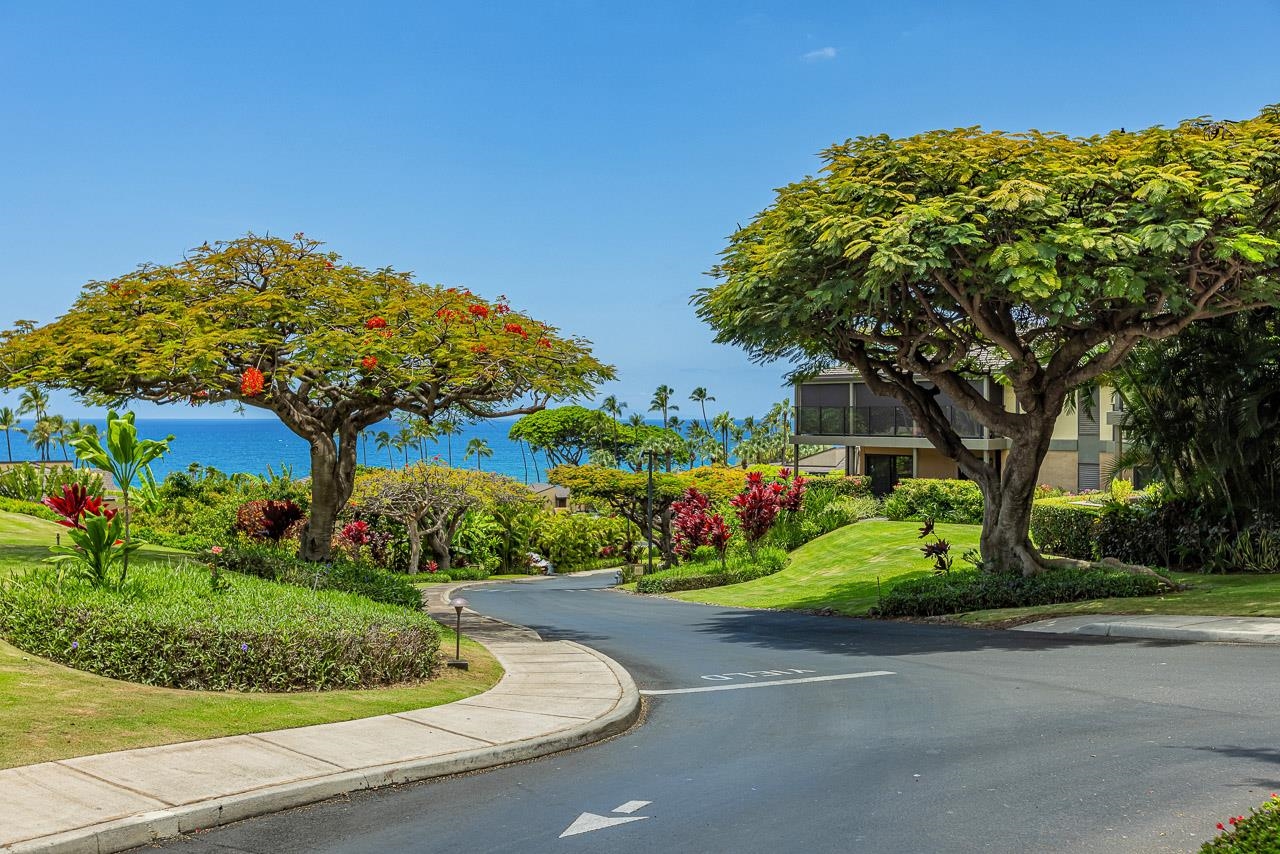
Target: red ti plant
[(757, 508), (717, 535), (74, 504), (793, 498), (689, 521)]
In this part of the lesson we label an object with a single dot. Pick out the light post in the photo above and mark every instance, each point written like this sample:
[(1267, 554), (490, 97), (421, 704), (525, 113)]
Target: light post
[(649, 514), (458, 604)]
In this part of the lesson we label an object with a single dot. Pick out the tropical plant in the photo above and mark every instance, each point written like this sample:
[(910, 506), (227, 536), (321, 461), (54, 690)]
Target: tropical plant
[(1037, 258), (699, 396), (8, 423), (566, 434), (34, 401), (124, 457), (329, 347)]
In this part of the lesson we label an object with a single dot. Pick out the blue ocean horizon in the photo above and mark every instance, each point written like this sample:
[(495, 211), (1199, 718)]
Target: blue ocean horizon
[(250, 445)]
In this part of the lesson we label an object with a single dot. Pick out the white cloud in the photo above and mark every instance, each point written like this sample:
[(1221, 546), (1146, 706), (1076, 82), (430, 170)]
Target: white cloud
[(820, 55)]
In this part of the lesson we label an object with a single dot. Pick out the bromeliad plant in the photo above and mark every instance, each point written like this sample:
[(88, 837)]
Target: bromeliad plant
[(939, 550), (126, 458)]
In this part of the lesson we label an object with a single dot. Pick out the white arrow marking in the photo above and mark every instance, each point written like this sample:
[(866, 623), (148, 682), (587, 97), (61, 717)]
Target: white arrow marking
[(768, 683), (589, 821), (631, 806)]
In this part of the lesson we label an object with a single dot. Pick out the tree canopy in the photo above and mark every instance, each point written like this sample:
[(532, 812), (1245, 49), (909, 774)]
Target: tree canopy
[(330, 347), (566, 434), (1037, 258)]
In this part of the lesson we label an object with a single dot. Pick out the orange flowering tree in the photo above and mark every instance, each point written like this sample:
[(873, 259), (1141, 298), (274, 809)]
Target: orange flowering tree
[(329, 347)]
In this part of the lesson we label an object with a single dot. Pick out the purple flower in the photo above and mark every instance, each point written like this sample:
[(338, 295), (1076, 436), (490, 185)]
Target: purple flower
[(244, 647), (75, 644)]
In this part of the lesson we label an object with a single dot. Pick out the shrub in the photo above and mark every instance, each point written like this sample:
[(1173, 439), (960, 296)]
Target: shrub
[(28, 508), (265, 519), (573, 541), (1256, 833), (850, 486), (27, 482), (359, 577), (170, 628), (917, 499), (822, 512), (1134, 532), (707, 572), (1064, 526), (456, 573), (958, 592)]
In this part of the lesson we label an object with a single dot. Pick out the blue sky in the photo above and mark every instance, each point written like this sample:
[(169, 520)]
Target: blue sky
[(586, 158)]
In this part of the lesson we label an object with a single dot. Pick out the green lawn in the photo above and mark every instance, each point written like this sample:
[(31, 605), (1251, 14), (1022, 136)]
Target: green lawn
[(48, 711), (1225, 595), (839, 571)]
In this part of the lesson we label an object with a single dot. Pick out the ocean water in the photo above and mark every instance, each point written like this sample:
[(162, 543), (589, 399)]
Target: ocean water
[(252, 444)]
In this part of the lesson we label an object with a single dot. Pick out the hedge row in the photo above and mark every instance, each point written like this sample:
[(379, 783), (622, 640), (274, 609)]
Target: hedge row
[(275, 563), (959, 592), (917, 499), (171, 628), (704, 574)]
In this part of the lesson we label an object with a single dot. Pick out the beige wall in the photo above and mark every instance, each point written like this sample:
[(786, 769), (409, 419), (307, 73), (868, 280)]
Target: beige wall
[(1059, 469), (931, 463)]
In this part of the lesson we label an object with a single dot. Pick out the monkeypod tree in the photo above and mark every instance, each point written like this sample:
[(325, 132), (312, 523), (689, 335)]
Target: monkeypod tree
[(566, 434), (329, 347), (1037, 258)]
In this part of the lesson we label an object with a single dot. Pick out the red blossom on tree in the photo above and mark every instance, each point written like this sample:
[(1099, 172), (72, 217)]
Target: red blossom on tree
[(502, 308), (447, 314), (515, 329), (385, 333), (74, 504), (252, 382), (479, 348), (369, 362), (479, 310), (376, 323), (544, 342)]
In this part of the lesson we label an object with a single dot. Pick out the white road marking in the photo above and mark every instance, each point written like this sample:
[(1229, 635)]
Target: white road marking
[(589, 821), (631, 806), (753, 674), (768, 683)]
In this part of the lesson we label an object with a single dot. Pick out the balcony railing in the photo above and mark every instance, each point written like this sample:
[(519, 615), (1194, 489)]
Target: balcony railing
[(876, 421)]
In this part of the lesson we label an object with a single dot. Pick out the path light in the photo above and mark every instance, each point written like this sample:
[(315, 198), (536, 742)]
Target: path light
[(458, 604)]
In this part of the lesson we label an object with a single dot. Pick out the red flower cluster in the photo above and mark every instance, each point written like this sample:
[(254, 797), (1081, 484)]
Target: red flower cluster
[(544, 342), (447, 314), (328, 265), (386, 333), (502, 308), (479, 348), (74, 504), (432, 566), (376, 323), (515, 329), (252, 382), (369, 362), (478, 310)]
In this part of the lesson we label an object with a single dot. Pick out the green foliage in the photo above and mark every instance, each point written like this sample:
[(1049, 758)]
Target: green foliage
[(28, 508), (1064, 526), (707, 572), (917, 499), (567, 434), (958, 592), (96, 554), (27, 482), (1121, 489), (574, 541), (278, 564), (853, 486), (123, 454), (822, 511), (1256, 833), (168, 628)]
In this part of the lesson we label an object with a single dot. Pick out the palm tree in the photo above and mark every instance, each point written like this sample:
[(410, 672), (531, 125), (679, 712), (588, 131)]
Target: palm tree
[(384, 441), (34, 401), (636, 420), (613, 409), (405, 440), (662, 401), (479, 448), (447, 427), (724, 423), (364, 441), (8, 423), (58, 430), (41, 434), (699, 396), (422, 431)]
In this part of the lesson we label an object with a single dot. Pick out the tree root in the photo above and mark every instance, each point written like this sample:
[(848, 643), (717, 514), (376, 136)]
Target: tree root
[(1106, 563)]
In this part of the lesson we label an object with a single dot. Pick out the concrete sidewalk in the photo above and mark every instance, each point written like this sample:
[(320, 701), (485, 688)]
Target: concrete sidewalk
[(1164, 627), (554, 696)]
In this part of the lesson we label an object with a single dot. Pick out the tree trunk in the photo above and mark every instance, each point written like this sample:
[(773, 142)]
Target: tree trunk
[(1006, 518), (333, 468), (415, 545), (440, 549)]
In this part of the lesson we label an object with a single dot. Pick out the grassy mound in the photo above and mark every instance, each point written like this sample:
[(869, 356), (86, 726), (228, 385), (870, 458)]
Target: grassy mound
[(170, 628)]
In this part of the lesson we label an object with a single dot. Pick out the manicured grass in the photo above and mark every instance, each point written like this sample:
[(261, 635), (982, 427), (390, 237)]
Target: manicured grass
[(48, 711), (838, 571), (1226, 595)]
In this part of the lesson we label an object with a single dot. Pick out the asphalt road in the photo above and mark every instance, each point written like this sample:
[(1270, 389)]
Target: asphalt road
[(973, 741)]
